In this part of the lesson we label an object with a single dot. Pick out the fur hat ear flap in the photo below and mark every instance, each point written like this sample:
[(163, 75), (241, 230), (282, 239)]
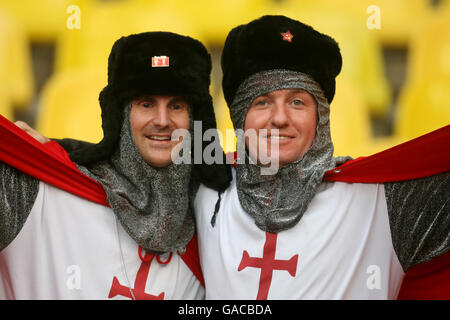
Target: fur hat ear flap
[(216, 176), (112, 119)]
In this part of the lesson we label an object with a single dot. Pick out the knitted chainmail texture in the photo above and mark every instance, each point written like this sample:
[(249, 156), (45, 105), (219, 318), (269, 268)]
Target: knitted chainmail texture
[(277, 202), (152, 204)]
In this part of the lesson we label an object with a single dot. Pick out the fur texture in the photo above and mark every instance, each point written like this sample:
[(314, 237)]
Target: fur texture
[(130, 74), (259, 46)]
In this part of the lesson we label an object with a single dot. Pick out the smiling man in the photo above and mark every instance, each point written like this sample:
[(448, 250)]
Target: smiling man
[(292, 235), (292, 114), (165, 115), (55, 245)]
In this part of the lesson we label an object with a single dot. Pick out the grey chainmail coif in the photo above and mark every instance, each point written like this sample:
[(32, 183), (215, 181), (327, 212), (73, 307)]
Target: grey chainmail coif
[(277, 202), (152, 204)]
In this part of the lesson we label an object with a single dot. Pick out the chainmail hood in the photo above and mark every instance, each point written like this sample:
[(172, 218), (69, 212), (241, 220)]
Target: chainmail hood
[(277, 202), (152, 204)]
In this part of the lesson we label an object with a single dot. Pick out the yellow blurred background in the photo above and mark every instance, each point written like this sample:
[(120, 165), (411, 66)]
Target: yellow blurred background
[(394, 84)]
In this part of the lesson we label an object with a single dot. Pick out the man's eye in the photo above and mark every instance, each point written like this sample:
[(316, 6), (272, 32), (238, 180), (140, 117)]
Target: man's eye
[(261, 102), (297, 102), (177, 106), (146, 104)]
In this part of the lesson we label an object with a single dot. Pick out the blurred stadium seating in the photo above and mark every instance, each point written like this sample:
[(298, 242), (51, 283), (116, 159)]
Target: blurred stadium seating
[(104, 22), (68, 104), (6, 108), (42, 20), (214, 19), (16, 76), (397, 17), (423, 107), (430, 47), (424, 101), (349, 121)]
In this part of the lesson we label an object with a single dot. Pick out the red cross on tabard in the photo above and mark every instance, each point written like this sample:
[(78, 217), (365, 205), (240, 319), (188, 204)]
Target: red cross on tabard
[(139, 284), (268, 264)]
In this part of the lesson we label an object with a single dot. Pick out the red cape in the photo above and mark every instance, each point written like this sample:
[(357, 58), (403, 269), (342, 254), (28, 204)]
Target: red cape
[(424, 156), (50, 163)]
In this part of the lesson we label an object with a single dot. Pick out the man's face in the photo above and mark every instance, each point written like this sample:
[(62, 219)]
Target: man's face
[(293, 112), (153, 119)]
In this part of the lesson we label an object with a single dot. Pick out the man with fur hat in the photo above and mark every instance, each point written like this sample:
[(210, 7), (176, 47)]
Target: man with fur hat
[(56, 245), (291, 234)]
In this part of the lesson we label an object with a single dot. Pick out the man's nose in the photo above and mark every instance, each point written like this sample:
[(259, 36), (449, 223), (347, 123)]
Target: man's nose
[(161, 118), (279, 117)]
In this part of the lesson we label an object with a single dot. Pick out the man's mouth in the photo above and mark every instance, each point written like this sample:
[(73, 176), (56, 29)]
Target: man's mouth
[(160, 138), (278, 137)]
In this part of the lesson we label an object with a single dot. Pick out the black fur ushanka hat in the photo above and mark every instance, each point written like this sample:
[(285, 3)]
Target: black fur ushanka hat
[(278, 42), (137, 66)]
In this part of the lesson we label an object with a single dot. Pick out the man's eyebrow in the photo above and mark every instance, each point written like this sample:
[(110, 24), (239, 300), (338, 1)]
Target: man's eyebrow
[(178, 99), (291, 91), (153, 99), (145, 98), (295, 91), (298, 91)]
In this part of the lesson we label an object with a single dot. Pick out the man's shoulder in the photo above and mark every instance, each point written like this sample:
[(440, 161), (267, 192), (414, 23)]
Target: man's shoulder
[(348, 188), (421, 157)]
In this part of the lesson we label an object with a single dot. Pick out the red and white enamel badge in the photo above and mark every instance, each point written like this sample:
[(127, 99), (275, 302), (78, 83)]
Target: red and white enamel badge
[(160, 61), (287, 36)]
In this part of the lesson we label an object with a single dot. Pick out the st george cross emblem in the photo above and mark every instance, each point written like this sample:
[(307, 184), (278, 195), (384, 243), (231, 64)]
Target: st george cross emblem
[(138, 292), (160, 61), (268, 264)]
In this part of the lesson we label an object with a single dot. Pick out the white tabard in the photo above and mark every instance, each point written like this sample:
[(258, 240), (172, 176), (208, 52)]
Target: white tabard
[(340, 249), (69, 249)]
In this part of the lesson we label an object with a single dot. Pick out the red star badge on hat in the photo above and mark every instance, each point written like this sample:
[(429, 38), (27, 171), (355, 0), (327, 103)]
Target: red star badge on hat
[(287, 36)]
